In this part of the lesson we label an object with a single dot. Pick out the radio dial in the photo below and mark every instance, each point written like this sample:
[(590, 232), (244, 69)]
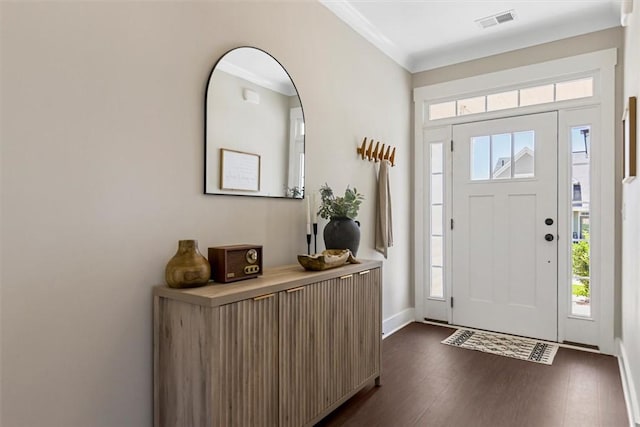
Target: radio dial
[(252, 256)]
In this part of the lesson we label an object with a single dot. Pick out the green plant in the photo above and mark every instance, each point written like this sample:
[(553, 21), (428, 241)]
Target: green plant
[(339, 207), (294, 192), (580, 290), (580, 257)]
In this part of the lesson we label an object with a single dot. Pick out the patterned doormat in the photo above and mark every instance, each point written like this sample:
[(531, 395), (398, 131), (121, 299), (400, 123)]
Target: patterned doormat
[(504, 345)]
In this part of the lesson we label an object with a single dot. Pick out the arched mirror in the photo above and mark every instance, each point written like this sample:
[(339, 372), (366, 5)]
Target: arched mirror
[(254, 128)]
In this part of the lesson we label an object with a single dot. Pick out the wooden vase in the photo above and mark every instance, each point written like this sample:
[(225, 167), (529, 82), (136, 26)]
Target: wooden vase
[(188, 268)]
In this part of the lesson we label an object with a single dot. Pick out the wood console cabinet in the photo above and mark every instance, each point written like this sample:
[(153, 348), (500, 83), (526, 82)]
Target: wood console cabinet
[(284, 349)]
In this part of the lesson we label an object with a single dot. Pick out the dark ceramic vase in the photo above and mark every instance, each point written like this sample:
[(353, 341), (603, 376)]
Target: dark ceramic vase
[(342, 233), (188, 268)]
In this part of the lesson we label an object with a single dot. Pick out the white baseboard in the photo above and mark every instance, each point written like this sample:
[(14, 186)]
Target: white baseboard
[(397, 321), (628, 386)]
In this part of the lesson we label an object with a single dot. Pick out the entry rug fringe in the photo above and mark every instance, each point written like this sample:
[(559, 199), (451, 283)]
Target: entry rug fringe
[(504, 345)]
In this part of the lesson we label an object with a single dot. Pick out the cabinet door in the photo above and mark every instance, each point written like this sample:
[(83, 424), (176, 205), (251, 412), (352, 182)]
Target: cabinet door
[(183, 342), (315, 348), (367, 330), (247, 369)]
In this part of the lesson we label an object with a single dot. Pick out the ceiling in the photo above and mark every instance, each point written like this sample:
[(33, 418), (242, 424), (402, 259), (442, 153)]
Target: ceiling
[(425, 34)]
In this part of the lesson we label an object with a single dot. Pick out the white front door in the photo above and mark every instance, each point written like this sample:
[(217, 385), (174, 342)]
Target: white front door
[(504, 237)]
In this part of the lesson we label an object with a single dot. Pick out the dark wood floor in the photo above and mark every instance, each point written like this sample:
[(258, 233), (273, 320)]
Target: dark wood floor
[(425, 383)]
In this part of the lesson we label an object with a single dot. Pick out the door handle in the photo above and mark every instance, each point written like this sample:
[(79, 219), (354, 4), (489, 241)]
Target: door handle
[(548, 237), (264, 297)]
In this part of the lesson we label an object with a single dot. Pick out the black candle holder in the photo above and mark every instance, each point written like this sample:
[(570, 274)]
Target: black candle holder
[(308, 244), (315, 237)]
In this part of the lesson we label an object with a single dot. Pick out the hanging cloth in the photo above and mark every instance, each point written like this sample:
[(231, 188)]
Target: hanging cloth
[(384, 227)]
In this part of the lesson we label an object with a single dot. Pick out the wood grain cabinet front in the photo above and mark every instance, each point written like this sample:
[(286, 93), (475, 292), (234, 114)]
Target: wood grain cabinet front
[(367, 327), (329, 344), (283, 354), (247, 363), (315, 335)]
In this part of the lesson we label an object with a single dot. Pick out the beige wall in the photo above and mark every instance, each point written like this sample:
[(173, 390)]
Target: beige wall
[(102, 170), (631, 223), (591, 42)]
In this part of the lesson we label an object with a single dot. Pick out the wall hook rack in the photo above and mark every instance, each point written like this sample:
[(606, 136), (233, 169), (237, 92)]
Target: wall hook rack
[(378, 153)]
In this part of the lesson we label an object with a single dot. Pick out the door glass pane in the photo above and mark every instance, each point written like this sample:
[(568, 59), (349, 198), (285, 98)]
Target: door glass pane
[(436, 189), (436, 157), (524, 154), (536, 95), (580, 209), (436, 251), (436, 220), (574, 89), (471, 105), (480, 157), (442, 110), (501, 156), (501, 101), (436, 288)]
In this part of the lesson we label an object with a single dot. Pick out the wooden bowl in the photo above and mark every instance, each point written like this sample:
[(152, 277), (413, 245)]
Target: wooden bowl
[(330, 258)]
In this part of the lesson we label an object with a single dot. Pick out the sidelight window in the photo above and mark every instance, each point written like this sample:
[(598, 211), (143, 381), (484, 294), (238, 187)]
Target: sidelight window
[(436, 228), (580, 211)]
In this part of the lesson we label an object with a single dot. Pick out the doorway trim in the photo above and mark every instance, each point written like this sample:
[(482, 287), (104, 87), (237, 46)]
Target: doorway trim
[(601, 66)]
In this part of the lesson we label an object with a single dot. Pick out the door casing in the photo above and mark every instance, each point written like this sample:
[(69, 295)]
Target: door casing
[(600, 65)]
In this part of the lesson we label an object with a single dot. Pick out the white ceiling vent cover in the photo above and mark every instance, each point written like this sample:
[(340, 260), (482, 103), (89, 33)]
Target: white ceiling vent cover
[(498, 18)]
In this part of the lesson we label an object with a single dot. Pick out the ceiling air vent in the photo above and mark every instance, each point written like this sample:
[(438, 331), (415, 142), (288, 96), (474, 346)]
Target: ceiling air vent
[(498, 18)]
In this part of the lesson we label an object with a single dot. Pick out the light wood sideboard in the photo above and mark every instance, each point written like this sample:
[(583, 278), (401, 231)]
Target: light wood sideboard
[(284, 349)]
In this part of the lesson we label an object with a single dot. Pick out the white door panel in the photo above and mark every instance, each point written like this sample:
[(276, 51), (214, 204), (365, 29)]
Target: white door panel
[(504, 275)]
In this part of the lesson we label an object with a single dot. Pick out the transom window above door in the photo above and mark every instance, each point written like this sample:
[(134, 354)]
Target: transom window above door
[(514, 98), (503, 156)]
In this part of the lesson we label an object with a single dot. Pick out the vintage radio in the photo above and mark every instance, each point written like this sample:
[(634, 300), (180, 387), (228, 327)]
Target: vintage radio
[(235, 262)]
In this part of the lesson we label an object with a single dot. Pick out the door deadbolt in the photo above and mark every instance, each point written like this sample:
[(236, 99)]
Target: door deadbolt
[(548, 221)]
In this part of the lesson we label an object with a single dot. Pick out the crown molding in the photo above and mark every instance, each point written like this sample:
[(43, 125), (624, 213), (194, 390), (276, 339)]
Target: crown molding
[(626, 9), (343, 10), (243, 73)]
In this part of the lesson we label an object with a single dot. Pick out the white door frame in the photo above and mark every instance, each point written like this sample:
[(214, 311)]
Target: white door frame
[(601, 66)]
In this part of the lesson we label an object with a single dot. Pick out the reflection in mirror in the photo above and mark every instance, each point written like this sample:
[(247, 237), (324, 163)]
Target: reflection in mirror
[(254, 128)]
